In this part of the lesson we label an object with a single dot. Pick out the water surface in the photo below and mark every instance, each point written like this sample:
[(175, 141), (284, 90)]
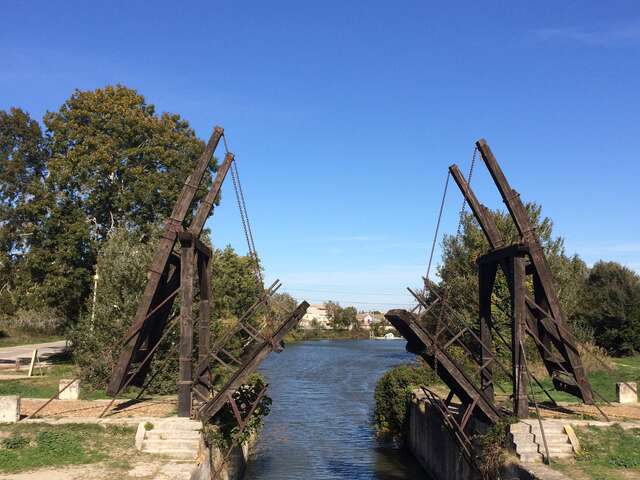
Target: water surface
[(320, 426)]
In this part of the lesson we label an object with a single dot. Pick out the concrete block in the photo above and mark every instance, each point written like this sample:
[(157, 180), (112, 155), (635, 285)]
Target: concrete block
[(627, 392), (72, 392), (9, 409)]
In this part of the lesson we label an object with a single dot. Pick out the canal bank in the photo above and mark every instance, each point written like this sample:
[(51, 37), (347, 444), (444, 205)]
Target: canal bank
[(320, 426)]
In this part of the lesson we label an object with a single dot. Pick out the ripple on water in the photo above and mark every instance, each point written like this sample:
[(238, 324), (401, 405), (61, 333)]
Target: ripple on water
[(320, 422)]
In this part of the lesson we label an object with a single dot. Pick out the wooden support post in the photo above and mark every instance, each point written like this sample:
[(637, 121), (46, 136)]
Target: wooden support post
[(204, 333), (186, 326), (487, 275), (518, 312)]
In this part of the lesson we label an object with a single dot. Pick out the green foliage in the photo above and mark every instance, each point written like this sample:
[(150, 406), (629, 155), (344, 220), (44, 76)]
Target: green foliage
[(22, 166), (117, 160), (107, 159), (121, 267), (15, 442), (393, 394), (459, 271), (341, 317), (234, 284), (492, 454), (35, 446), (223, 431), (282, 304), (606, 453), (611, 307), (45, 321)]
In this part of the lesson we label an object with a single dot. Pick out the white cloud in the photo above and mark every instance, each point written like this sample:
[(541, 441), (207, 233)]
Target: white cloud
[(618, 35)]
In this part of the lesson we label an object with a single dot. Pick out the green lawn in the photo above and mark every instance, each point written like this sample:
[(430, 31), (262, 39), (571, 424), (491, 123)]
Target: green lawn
[(627, 369), (32, 446), (46, 386), (606, 454)]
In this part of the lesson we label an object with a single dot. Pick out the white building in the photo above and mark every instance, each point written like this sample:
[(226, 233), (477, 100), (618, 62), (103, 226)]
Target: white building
[(316, 317)]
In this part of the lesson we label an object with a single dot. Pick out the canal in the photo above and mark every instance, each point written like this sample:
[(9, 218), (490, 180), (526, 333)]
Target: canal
[(320, 426)]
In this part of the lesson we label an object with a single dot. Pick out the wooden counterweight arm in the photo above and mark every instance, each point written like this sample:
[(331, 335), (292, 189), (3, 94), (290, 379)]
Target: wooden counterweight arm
[(205, 208), (158, 267), (481, 212), (539, 262)]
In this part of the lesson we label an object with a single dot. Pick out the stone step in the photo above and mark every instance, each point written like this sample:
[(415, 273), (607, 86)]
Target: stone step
[(529, 457), (185, 454), (557, 449), (552, 438), (523, 426), (164, 435), (178, 425), (522, 437), (173, 443)]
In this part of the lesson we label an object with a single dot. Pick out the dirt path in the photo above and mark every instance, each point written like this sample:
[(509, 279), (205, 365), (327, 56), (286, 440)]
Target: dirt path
[(141, 470), (160, 407)]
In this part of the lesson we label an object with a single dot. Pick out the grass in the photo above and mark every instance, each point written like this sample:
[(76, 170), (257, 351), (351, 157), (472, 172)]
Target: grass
[(322, 334), (606, 453), (32, 446), (46, 386), (626, 369)]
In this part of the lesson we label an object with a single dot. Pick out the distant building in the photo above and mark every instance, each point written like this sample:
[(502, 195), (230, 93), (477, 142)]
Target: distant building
[(316, 317), (367, 320)]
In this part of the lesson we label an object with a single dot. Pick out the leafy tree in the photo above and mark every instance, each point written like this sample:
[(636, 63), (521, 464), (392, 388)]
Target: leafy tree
[(282, 304), (341, 318), (113, 162), (116, 159), (458, 272), (22, 165), (611, 307), (122, 265), (234, 283)]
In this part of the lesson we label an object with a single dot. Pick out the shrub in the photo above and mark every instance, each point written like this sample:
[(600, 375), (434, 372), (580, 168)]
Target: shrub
[(393, 394), (611, 307), (15, 442), (223, 429), (31, 321)]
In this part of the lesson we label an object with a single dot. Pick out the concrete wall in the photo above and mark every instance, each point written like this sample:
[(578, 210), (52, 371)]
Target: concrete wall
[(433, 445), (210, 459)]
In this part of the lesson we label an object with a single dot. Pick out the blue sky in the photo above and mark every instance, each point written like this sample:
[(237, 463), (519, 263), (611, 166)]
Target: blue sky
[(345, 115)]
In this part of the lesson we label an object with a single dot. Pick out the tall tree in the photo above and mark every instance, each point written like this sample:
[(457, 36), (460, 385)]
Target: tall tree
[(611, 307), (22, 166), (458, 271), (118, 160), (113, 162)]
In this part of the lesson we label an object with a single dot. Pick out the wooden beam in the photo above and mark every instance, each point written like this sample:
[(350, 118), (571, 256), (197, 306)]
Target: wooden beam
[(186, 328), (158, 266), (421, 342), (539, 262), (209, 409)]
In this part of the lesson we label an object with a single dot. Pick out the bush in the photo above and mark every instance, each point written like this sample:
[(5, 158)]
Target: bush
[(31, 321), (223, 429), (393, 394), (611, 307), (122, 265)]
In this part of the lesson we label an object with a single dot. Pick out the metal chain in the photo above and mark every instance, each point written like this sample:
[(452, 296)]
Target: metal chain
[(244, 218), (435, 234), (464, 201)]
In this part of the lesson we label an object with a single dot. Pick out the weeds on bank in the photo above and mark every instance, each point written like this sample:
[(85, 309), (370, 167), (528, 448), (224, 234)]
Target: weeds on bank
[(605, 453), (32, 446)]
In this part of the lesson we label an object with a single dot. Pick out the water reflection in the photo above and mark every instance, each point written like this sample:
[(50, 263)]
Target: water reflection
[(320, 423)]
